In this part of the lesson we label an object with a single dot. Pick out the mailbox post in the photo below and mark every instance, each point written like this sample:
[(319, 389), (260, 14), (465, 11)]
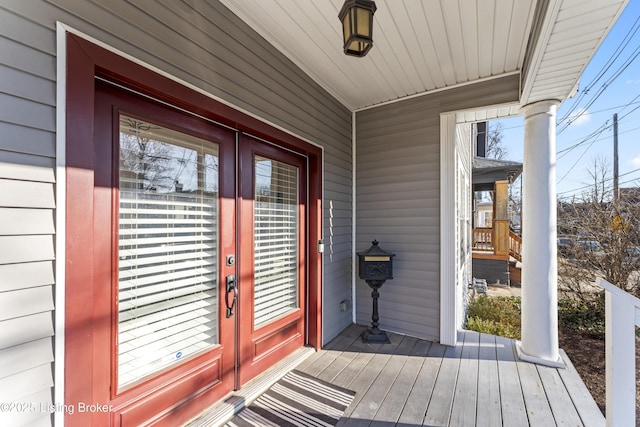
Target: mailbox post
[(375, 267)]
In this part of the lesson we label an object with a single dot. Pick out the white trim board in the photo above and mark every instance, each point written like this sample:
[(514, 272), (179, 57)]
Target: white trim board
[(60, 215), (448, 330)]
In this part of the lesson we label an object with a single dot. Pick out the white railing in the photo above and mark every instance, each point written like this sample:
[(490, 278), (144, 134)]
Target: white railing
[(621, 318)]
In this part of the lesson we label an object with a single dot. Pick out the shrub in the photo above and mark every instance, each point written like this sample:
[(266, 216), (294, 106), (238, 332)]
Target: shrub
[(583, 315), (501, 315), (495, 316), (493, 328)]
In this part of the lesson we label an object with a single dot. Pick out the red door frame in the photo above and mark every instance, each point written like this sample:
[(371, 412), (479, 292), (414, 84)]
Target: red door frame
[(84, 62)]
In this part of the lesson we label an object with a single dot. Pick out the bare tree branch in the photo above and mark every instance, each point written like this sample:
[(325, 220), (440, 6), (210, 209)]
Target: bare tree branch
[(605, 236), (495, 146)]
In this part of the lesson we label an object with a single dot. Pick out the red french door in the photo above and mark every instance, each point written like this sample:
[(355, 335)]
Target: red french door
[(273, 273), (164, 223), (200, 237)]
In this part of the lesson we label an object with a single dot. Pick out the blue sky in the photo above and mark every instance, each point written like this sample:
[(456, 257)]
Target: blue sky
[(621, 95)]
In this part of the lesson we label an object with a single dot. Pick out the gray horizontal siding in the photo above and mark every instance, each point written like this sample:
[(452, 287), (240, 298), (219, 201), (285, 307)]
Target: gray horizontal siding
[(26, 275), (28, 418), (15, 221), (201, 43), (398, 200), (27, 113), (27, 202), (22, 357), (17, 386), (14, 332), (27, 86), (24, 57), (27, 140), (27, 194), (23, 302), (27, 167)]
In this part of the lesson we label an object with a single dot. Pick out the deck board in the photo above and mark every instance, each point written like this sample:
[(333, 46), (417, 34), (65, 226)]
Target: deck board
[(371, 405), (415, 407), (489, 412), (391, 407), (583, 401), (564, 412), (514, 413), (480, 382), (463, 412), (439, 409), (367, 376), (535, 398)]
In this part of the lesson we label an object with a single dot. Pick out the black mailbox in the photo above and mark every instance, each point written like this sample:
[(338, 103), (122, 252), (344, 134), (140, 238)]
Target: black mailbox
[(375, 267), (376, 263)]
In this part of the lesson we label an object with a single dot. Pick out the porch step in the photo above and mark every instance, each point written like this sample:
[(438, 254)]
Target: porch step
[(515, 273), (223, 411)]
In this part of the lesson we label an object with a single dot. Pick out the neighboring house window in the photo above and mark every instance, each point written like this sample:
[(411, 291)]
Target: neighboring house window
[(487, 219)]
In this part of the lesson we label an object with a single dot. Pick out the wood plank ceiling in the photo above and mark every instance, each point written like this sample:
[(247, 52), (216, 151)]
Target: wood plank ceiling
[(427, 45)]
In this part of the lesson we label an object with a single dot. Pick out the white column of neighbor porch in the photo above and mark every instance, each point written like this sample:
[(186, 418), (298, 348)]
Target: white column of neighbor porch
[(539, 251)]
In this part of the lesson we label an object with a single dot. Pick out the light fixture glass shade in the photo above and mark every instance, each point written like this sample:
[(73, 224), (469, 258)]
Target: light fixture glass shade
[(357, 26)]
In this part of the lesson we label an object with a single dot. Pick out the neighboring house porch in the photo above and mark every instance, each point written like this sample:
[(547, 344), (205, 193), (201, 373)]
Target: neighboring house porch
[(499, 263), (496, 248)]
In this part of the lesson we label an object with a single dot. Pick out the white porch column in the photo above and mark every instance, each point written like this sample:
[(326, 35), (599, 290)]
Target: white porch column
[(539, 245)]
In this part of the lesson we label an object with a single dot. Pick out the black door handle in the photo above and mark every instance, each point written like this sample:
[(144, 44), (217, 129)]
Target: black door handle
[(231, 287)]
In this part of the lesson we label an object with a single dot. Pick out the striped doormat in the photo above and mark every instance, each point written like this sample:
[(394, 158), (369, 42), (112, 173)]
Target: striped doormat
[(297, 399)]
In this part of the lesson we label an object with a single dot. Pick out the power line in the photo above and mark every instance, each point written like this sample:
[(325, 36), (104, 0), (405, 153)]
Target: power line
[(604, 110), (620, 107), (632, 102), (567, 119), (594, 135), (598, 131), (603, 139), (608, 179), (604, 86), (576, 162), (614, 56)]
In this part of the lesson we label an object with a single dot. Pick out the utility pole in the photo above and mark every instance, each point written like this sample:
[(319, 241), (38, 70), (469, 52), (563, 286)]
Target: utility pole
[(616, 190)]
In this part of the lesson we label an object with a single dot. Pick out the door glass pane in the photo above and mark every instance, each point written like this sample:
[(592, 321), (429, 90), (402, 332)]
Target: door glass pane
[(167, 248), (276, 239)]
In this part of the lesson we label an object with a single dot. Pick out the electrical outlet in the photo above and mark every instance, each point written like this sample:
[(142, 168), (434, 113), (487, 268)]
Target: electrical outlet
[(345, 305)]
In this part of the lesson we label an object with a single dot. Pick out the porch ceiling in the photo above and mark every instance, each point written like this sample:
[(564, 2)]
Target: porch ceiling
[(421, 46)]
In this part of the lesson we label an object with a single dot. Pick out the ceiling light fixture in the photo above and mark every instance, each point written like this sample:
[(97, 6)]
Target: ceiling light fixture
[(357, 26)]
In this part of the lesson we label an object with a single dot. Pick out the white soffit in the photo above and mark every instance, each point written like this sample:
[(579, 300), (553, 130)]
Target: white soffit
[(419, 45), (489, 113), (426, 45), (567, 43)]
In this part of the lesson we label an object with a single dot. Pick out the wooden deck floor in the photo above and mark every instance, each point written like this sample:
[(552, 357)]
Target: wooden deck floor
[(412, 382)]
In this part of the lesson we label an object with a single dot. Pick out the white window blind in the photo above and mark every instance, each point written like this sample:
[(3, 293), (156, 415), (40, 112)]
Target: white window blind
[(276, 239), (167, 249)]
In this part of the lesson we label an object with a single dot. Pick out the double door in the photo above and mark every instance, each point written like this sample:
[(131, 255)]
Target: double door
[(202, 232)]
